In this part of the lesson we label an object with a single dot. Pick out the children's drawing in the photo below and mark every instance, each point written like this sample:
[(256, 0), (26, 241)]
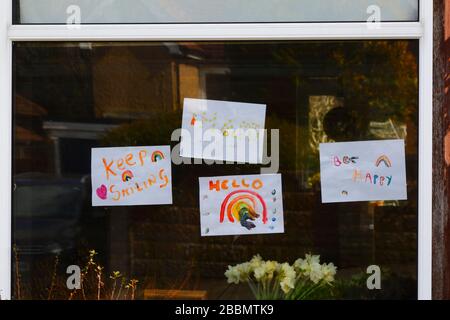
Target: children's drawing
[(233, 205), (232, 122), (131, 176), (363, 171)]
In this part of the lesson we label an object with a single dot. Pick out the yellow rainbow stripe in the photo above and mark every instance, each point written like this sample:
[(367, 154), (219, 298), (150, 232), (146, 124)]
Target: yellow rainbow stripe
[(243, 201)]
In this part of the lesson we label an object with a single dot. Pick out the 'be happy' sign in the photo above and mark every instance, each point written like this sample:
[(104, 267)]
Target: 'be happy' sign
[(128, 176), (363, 171)]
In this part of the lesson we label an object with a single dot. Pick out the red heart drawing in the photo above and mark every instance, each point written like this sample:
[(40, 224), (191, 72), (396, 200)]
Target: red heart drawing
[(102, 192)]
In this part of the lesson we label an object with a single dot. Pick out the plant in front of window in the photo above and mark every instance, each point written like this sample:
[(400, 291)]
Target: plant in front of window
[(270, 280), (92, 282), (96, 282)]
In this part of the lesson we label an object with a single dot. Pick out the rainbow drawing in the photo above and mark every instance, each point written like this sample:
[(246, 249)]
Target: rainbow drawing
[(127, 175), (385, 160), (243, 206), (157, 155)]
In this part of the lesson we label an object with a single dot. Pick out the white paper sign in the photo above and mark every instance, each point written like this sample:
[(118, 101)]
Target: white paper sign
[(363, 171), (222, 130), (129, 176), (241, 205)]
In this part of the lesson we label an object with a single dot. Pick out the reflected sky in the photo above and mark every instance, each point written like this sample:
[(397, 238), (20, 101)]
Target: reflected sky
[(172, 11)]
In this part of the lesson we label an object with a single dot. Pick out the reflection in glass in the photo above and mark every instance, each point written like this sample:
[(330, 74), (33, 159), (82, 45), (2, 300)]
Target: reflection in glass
[(213, 11), (70, 97)]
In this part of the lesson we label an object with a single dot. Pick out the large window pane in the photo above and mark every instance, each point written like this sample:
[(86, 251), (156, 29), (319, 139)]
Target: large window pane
[(194, 11), (70, 97)]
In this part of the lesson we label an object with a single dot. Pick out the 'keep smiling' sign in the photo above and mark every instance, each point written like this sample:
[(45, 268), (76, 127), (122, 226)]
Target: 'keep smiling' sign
[(128, 176)]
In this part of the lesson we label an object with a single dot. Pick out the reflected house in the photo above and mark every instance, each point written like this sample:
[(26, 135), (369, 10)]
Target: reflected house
[(129, 83), (40, 228), (40, 196), (141, 81), (28, 137), (53, 153), (76, 137)]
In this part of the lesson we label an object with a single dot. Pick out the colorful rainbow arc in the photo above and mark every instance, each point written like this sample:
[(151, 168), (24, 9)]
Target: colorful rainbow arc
[(127, 175), (157, 155), (385, 160), (238, 202), (229, 214)]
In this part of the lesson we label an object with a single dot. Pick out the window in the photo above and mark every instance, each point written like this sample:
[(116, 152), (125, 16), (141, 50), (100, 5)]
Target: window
[(70, 97), (66, 89)]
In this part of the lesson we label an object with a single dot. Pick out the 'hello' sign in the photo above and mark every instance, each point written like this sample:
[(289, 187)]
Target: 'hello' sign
[(246, 204)]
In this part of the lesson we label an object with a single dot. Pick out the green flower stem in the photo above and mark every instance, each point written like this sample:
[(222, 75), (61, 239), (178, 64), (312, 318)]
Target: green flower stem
[(310, 291), (276, 288), (253, 289)]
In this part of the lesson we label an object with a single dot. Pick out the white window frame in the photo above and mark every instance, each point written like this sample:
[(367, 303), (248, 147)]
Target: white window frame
[(422, 30)]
